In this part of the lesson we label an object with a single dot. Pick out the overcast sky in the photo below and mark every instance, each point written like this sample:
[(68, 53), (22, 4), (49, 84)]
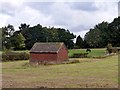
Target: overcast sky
[(76, 16)]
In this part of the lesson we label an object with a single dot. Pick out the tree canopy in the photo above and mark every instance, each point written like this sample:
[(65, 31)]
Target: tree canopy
[(104, 33), (79, 42), (97, 37), (26, 36)]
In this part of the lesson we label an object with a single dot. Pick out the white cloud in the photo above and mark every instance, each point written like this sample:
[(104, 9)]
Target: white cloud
[(29, 16)]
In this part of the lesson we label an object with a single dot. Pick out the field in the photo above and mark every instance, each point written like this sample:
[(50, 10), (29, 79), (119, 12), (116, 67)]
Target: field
[(93, 53), (98, 73)]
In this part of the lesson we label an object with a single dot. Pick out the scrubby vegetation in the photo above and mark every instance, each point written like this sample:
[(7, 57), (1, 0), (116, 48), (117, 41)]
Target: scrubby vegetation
[(12, 56)]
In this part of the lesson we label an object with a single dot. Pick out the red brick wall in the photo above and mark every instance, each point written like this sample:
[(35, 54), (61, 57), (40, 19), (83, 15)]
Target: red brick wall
[(62, 54), (42, 57)]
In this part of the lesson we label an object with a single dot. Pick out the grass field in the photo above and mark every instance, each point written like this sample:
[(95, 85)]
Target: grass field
[(93, 53), (101, 73)]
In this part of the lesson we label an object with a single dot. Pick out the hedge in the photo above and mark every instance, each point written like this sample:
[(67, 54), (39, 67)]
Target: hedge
[(14, 56)]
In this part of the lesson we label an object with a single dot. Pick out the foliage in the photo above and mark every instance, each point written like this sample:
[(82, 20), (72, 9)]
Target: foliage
[(7, 32), (109, 48), (95, 36), (79, 42), (79, 55), (12, 56), (43, 34), (17, 41), (0, 39), (26, 36), (113, 35), (104, 33)]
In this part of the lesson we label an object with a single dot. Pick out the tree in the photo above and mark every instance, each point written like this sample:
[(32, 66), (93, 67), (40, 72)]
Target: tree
[(17, 41), (23, 26), (0, 39), (104, 33), (79, 42), (43, 34), (113, 33), (7, 32), (96, 37)]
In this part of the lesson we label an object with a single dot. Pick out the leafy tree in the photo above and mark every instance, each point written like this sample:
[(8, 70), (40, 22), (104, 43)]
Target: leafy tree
[(43, 34), (79, 42), (23, 26), (104, 33), (7, 32), (17, 41), (85, 44), (113, 33), (0, 39), (96, 37)]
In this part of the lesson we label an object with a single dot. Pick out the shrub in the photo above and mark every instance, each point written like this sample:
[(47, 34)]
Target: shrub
[(80, 55), (12, 56), (109, 48)]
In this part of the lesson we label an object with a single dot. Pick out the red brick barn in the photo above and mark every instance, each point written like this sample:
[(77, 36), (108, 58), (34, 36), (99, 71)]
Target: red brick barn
[(47, 52)]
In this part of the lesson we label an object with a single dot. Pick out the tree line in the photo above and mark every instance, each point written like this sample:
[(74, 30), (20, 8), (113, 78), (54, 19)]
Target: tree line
[(101, 35), (24, 38)]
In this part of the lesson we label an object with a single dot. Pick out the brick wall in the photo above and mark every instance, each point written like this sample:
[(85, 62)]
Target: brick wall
[(62, 54), (42, 57)]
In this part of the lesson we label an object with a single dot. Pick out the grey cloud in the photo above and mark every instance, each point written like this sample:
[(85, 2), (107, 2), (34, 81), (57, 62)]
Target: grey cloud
[(80, 28), (119, 8), (85, 6), (44, 7), (7, 9), (58, 14)]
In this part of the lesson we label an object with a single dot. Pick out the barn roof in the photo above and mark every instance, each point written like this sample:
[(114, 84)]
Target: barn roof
[(46, 47)]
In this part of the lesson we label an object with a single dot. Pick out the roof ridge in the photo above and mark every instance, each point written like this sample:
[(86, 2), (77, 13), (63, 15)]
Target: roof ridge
[(46, 47)]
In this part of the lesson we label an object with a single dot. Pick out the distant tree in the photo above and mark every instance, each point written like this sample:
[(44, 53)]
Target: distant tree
[(43, 34), (96, 37), (23, 26), (7, 32), (104, 33), (0, 39), (113, 32), (17, 41), (85, 44), (79, 42)]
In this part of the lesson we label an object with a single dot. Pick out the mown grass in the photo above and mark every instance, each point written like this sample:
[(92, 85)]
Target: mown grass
[(93, 53), (101, 73)]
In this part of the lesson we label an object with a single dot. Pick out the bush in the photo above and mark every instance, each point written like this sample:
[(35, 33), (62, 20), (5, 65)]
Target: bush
[(13, 56), (109, 48), (80, 55)]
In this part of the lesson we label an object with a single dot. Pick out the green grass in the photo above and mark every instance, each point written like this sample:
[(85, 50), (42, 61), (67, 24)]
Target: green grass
[(93, 53), (101, 73)]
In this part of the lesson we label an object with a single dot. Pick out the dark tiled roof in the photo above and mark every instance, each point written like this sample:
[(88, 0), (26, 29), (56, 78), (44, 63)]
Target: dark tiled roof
[(46, 47)]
